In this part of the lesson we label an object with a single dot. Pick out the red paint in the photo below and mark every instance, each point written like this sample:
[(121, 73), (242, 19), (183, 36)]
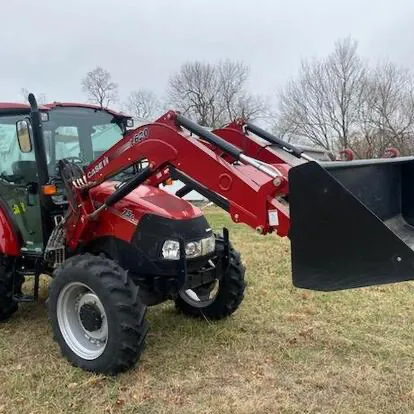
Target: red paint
[(251, 193), (346, 155), (167, 146), (143, 200), (147, 199), (391, 152), (4, 106), (249, 144), (113, 221), (54, 105), (12, 105), (9, 241), (225, 182)]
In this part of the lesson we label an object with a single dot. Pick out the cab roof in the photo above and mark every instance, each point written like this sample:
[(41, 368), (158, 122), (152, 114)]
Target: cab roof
[(14, 107)]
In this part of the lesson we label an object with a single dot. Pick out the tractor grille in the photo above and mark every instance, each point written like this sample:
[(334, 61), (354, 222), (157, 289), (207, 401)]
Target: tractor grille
[(153, 230)]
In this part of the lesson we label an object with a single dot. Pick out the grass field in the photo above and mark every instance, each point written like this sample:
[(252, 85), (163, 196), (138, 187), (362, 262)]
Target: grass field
[(284, 351)]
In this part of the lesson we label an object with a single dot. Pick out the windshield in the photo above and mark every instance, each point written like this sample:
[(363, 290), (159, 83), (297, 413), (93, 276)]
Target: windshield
[(79, 133)]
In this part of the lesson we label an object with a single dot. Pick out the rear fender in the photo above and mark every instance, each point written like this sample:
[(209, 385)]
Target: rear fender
[(11, 239)]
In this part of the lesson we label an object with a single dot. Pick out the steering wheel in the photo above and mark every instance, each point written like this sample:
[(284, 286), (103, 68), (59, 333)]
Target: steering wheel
[(74, 159)]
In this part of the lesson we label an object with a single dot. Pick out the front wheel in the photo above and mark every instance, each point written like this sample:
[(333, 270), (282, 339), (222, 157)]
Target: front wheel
[(96, 315), (220, 298)]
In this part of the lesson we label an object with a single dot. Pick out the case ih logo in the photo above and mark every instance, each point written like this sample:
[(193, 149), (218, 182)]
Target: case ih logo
[(98, 167), (139, 136)]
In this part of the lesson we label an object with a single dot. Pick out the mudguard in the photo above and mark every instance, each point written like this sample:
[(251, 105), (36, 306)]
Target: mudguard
[(11, 238)]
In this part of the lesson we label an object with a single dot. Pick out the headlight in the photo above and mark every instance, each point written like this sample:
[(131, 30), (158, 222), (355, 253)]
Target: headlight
[(193, 249), (171, 248), (208, 245)]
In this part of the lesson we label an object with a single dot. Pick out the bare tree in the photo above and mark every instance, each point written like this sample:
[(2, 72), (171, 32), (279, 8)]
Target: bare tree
[(385, 112), (392, 117), (321, 105), (143, 104), (214, 94), (99, 87), (194, 91), (41, 97), (235, 99), (249, 107), (339, 102)]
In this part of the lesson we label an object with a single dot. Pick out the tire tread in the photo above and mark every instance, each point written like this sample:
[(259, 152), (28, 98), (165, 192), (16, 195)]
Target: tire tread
[(8, 306), (230, 295), (124, 302)]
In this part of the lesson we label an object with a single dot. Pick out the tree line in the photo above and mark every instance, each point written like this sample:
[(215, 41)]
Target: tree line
[(211, 94), (341, 102), (336, 102)]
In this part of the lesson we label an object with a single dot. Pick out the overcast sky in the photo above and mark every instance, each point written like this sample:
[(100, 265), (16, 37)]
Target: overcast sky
[(47, 46)]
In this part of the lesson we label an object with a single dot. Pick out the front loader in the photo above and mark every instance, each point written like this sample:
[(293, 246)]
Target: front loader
[(115, 243)]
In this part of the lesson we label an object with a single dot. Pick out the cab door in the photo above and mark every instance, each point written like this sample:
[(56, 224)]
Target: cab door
[(18, 183)]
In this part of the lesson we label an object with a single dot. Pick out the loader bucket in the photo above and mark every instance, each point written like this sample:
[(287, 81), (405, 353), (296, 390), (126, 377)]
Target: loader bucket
[(352, 223)]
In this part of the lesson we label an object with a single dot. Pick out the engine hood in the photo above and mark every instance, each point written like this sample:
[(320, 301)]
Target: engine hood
[(147, 199)]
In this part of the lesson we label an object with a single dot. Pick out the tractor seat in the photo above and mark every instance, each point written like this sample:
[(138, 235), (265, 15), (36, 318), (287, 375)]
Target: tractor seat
[(26, 171)]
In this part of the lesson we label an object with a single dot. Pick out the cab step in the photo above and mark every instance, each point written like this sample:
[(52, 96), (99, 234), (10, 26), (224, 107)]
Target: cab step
[(24, 298)]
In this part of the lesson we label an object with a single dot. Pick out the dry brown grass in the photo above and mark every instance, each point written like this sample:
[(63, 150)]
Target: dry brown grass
[(284, 351)]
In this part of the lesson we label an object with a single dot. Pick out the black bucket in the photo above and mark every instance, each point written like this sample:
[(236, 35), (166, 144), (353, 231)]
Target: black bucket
[(352, 223)]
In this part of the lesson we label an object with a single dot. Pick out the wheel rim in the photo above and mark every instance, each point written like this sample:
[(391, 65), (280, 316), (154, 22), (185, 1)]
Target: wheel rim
[(201, 297), (82, 320)]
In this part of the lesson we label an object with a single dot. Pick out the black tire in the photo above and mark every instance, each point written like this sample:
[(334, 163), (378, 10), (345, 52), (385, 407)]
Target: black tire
[(125, 313), (230, 293), (8, 306)]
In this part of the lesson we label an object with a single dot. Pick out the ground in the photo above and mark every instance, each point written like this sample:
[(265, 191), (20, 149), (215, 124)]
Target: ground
[(284, 351)]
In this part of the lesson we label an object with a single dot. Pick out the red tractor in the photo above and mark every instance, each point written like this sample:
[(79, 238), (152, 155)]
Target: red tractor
[(80, 201)]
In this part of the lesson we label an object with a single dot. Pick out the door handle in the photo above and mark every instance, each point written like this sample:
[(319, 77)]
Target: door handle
[(28, 203), (31, 188)]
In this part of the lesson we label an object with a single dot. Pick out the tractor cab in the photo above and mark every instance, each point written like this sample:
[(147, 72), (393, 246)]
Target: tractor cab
[(31, 192), (80, 133)]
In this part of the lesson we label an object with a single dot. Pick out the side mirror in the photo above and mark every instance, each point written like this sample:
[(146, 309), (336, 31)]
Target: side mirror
[(24, 135)]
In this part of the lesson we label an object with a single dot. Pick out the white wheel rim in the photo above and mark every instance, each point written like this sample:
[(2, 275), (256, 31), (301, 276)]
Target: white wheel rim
[(82, 320), (191, 296)]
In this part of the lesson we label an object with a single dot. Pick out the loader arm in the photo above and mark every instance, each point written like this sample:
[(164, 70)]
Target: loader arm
[(259, 145), (250, 191)]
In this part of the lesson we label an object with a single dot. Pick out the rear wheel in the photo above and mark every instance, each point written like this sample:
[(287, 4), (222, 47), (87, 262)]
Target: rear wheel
[(8, 306), (96, 315), (220, 298)]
